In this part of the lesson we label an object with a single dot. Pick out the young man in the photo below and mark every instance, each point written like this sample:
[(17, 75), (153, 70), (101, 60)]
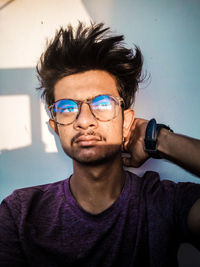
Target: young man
[(101, 215)]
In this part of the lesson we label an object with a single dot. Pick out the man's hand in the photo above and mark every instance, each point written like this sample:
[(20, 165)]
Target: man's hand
[(134, 144)]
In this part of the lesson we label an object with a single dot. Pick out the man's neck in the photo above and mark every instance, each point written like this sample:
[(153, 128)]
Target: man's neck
[(95, 188)]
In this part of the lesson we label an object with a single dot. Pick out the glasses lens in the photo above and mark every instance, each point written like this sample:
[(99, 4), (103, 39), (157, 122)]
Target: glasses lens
[(65, 111), (104, 107)]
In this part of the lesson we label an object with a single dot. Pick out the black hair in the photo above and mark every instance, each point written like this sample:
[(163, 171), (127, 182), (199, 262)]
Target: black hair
[(86, 48)]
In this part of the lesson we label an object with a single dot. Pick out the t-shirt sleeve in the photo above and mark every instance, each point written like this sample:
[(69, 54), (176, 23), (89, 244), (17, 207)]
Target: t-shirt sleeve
[(186, 194), (172, 202), (10, 249)]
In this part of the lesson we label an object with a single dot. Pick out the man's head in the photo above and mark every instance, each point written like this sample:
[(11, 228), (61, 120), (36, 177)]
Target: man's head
[(80, 66), (90, 48)]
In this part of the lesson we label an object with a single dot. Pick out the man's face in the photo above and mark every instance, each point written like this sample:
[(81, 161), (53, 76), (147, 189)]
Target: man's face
[(88, 140)]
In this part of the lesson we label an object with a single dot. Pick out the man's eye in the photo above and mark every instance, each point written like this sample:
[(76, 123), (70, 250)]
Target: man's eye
[(102, 106), (71, 109)]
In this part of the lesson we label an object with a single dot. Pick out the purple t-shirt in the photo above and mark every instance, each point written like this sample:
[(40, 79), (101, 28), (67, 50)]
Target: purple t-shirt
[(44, 226)]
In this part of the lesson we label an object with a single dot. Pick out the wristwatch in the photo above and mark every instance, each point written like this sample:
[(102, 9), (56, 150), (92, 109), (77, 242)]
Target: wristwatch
[(150, 141)]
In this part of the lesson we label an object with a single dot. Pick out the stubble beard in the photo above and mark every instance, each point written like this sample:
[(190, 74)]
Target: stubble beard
[(97, 155)]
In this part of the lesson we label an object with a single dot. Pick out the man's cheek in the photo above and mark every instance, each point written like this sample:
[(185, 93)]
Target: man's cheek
[(65, 138), (114, 135), (115, 138)]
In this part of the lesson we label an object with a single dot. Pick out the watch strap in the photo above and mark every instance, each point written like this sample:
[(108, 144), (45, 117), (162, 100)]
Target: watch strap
[(150, 141)]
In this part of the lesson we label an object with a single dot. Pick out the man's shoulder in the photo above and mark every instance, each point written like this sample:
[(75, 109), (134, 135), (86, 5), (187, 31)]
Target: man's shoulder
[(162, 191), (37, 192), (32, 202), (150, 183), (147, 179)]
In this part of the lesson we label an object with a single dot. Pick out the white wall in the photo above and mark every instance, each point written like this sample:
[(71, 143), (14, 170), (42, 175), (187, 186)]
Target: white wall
[(26, 24)]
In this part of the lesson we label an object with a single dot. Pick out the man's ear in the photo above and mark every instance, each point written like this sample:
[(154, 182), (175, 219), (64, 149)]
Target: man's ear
[(129, 117), (54, 126)]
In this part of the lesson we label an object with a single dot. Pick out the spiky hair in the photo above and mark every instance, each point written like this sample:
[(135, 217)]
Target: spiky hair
[(86, 48)]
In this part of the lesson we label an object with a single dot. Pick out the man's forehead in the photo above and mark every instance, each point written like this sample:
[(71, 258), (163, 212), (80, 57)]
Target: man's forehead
[(86, 85)]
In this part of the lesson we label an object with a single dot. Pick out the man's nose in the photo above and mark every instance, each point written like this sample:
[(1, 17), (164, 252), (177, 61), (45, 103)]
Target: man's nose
[(85, 118)]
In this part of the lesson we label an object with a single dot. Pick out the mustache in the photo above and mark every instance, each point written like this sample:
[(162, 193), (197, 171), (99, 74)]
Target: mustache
[(92, 133)]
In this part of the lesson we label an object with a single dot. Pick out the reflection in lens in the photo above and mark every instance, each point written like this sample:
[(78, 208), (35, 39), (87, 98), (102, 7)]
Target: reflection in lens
[(65, 106), (102, 102), (103, 107), (65, 111)]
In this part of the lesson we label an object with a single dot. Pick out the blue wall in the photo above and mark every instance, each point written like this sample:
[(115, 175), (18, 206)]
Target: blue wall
[(169, 37)]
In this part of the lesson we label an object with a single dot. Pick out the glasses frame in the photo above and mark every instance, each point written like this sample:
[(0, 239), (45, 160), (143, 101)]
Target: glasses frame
[(118, 100)]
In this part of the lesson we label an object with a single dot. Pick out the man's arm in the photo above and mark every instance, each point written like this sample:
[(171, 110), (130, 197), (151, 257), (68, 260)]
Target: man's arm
[(179, 149)]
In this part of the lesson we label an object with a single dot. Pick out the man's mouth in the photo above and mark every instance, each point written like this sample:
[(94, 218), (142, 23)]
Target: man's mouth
[(87, 140)]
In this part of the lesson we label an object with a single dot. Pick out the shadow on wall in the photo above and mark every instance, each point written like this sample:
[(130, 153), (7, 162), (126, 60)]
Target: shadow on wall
[(29, 165)]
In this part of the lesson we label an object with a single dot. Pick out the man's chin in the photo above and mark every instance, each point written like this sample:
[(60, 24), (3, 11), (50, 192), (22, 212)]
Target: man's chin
[(91, 161), (95, 156), (91, 158)]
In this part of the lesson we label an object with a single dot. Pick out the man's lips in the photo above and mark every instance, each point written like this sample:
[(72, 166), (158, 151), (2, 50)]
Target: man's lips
[(87, 140)]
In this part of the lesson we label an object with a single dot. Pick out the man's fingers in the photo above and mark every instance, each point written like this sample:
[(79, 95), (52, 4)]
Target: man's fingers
[(127, 162), (131, 162)]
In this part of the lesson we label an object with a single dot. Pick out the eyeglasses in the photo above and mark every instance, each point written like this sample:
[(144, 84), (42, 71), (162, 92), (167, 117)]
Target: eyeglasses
[(103, 108)]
